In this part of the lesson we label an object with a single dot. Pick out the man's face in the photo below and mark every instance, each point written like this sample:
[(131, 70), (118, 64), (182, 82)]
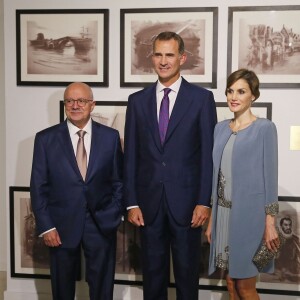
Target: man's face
[(167, 61), (287, 226), (79, 116)]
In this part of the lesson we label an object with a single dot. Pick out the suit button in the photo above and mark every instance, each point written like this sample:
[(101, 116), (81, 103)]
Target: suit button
[(164, 164)]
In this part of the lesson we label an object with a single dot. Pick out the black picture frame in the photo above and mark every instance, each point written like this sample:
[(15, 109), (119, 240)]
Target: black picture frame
[(264, 39), (109, 113), (266, 284), (55, 47), (125, 273), (138, 27), (260, 109), (29, 257)]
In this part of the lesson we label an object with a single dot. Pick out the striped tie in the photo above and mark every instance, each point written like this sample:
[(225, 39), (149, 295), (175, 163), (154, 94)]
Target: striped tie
[(81, 154)]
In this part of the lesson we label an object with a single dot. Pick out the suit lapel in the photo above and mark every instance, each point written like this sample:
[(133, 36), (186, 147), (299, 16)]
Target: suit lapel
[(66, 144), (150, 112), (181, 106), (95, 145)]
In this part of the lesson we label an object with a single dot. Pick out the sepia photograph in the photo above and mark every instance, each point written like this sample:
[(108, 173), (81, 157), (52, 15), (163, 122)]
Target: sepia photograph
[(287, 261), (29, 255), (266, 39), (109, 113), (128, 257), (286, 277), (55, 47), (196, 26)]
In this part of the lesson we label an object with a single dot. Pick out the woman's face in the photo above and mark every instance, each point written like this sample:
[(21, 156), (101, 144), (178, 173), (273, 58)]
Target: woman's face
[(239, 96)]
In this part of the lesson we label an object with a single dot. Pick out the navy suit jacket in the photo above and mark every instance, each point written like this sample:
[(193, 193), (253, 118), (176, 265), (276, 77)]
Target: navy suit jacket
[(183, 166), (59, 195)]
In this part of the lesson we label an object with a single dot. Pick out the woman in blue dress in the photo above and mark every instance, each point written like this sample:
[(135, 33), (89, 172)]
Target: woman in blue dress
[(245, 189)]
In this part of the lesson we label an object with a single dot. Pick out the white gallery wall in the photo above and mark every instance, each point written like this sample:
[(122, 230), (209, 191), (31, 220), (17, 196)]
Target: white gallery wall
[(24, 110)]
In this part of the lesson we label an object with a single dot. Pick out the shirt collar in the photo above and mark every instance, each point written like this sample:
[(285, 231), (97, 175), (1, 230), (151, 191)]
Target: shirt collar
[(174, 87), (74, 129)]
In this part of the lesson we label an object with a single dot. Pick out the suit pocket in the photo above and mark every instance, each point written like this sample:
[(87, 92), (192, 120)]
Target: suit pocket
[(108, 217)]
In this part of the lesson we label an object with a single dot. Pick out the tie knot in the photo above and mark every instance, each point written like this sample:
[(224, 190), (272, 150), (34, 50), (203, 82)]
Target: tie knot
[(81, 133), (166, 91)]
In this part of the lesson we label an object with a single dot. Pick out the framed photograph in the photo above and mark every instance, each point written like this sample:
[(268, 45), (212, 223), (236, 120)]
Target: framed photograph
[(29, 257), (128, 260), (259, 109), (59, 46), (286, 278), (109, 113), (266, 39), (198, 27)]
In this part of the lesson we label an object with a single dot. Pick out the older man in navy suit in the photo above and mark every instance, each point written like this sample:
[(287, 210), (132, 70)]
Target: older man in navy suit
[(77, 201), (168, 171)]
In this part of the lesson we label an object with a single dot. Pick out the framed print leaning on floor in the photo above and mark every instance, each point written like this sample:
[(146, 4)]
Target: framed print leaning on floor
[(29, 257), (286, 278)]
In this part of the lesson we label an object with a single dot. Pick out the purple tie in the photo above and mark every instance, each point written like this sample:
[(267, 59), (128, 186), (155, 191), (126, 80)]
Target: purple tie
[(164, 115)]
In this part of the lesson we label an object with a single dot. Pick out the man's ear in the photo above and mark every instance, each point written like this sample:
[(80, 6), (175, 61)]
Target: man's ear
[(183, 58)]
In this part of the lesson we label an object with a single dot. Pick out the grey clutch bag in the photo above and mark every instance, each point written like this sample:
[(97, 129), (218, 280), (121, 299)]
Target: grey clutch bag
[(263, 255)]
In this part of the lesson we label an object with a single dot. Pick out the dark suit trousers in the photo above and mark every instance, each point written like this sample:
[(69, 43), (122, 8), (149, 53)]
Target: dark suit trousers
[(100, 256), (157, 239)]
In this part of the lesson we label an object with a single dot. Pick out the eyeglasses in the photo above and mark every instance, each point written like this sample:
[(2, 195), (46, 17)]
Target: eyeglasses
[(80, 102)]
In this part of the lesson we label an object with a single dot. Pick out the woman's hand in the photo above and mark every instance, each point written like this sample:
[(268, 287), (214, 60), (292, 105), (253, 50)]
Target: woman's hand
[(271, 235)]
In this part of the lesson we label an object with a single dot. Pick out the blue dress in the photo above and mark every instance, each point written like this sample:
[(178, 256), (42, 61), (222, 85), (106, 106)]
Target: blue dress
[(224, 206)]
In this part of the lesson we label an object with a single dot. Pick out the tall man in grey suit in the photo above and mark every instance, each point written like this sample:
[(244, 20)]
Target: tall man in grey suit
[(78, 204), (168, 171)]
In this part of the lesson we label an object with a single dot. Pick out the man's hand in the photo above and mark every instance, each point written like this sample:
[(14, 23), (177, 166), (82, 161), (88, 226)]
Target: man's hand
[(52, 238), (135, 216), (200, 215)]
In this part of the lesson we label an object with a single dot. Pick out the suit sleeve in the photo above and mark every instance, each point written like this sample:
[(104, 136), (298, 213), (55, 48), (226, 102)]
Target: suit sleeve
[(117, 178), (208, 120), (39, 186), (130, 159)]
